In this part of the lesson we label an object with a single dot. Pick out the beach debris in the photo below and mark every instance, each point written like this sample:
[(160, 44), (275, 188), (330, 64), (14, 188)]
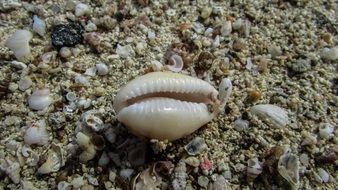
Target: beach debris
[(36, 133), (39, 26), (19, 44), (196, 146), (68, 35), (54, 161), (40, 99), (192, 161), (271, 114)]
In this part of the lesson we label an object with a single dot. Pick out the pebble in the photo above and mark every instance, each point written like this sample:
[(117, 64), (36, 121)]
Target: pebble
[(71, 96), (102, 69), (203, 181), (241, 125), (68, 35), (125, 51), (18, 65), (24, 83), (77, 182), (192, 161), (238, 24), (65, 52), (126, 173), (90, 27), (324, 175), (198, 27), (329, 53), (326, 130), (274, 51), (226, 28), (82, 9), (206, 12), (19, 44)]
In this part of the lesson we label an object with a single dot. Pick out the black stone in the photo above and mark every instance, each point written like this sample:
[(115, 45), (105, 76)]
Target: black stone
[(67, 35)]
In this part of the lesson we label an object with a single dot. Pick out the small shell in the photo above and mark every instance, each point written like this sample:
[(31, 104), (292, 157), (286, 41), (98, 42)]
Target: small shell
[(39, 100), (175, 63), (326, 130), (179, 181), (90, 119), (71, 96), (273, 115), (165, 105), (39, 26), (37, 133), (19, 44), (55, 160), (288, 168), (196, 146), (324, 175)]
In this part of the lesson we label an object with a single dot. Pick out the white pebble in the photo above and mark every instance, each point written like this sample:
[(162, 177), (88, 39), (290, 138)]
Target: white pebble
[(39, 26), (37, 133), (238, 24), (125, 51), (65, 52), (40, 99), (151, 35), (90, 27), (102, 69), (326, 130), (90, 71), (329, 53), (82, 80), (24, 83), (82, 9), (18, 65), (77, 182), (19, 44)]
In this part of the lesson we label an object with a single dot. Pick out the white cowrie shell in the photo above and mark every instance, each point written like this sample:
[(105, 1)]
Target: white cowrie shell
[(165, 105)]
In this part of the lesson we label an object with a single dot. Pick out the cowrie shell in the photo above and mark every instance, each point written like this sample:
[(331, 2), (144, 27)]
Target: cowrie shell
[(165, 105)]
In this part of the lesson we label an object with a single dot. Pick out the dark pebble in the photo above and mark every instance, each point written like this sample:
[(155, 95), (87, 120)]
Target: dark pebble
[(67, 35)]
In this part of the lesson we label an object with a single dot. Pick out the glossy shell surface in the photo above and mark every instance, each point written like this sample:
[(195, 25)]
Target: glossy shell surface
[(165, 105)]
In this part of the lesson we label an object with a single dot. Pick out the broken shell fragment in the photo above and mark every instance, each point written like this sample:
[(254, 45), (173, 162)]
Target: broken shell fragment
[(87, 146), (288, 168), (19, 44), (175, 63), (166, 105), (37, 133), (273, 115), (326, 130), (40, 99), (196, 146), (254, 168), (55, 160)]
